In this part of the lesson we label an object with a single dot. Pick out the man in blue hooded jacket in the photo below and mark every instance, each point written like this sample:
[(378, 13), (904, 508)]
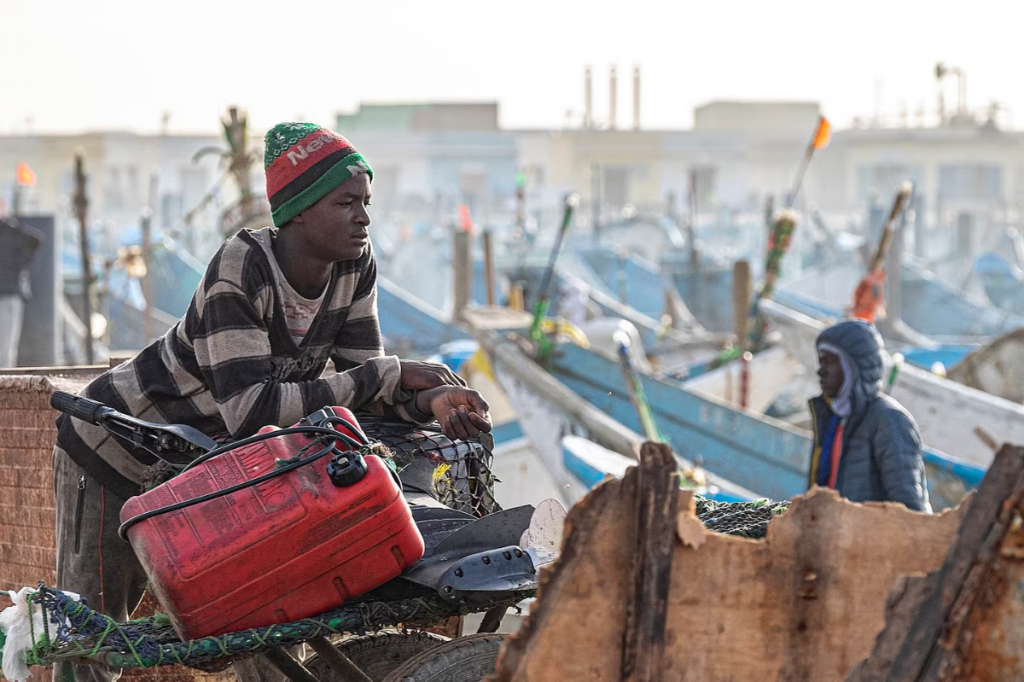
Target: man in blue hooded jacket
[(866, 445)]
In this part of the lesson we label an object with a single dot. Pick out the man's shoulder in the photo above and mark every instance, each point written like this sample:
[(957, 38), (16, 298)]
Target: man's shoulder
[(886, 403), (240, 260), (887, 410)]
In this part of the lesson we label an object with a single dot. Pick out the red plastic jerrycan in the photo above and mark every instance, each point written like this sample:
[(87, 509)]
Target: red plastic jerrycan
[(288, 548)]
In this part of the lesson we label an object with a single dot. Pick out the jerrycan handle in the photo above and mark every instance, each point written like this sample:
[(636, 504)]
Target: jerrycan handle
[(346, 468)]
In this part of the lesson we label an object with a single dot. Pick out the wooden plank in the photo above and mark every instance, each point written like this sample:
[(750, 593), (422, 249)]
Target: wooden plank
[(803, 605), (979, 535), (656, 510), (587, 586)]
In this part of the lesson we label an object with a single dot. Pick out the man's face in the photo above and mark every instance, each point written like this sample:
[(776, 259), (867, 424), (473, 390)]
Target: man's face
[(830, 373), (338, 225)]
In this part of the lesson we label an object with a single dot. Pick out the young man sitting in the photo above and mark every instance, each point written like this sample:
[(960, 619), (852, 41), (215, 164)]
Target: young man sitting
[(274, 306)]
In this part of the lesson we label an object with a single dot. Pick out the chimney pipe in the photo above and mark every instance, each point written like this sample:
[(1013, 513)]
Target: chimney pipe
[(612, 88), (588, 102), (636, 98)]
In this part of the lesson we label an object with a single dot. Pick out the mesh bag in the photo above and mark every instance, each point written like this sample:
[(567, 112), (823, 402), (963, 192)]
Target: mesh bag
[(745, 519), (455, 473)]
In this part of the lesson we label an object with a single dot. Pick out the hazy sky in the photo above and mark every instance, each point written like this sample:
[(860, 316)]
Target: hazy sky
[(73, 65)]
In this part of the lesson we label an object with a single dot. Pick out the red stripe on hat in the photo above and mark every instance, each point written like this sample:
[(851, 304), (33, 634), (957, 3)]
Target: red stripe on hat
[(302, 155)]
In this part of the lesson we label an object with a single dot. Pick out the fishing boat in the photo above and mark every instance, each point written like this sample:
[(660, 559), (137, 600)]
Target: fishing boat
[(549, 411), (410, 325), (754, 451)]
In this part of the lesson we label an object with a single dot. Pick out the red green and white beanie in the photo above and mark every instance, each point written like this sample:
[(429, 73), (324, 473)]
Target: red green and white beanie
[(304, 163)]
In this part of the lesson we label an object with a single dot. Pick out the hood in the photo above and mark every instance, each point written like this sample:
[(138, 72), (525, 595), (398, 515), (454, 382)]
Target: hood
[(861, 344)]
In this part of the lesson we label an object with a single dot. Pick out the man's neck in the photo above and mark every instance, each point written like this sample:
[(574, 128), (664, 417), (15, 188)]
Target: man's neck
[(305, 272)]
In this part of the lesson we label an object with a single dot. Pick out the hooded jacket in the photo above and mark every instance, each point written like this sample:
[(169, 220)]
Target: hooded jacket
[(881, 449)]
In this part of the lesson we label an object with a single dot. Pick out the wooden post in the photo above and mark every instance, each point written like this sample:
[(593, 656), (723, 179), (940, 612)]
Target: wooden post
[(742, 295), (515, 297), (462, 262), (894, 273), (81, 208), (489, 266), (745, 379), (657, 500)]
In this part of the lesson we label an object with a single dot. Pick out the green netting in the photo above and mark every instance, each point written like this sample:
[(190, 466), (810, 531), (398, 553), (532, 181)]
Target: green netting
[(75, 631), (745, 519)]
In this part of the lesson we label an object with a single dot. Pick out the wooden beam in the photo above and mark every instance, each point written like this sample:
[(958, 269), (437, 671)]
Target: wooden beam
[(657, 505), (978, 540)]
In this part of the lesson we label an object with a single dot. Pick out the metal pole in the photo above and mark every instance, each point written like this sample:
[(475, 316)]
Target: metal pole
[(613, 88), (81, 207), (16, 199), (147, 259), (691, 228)]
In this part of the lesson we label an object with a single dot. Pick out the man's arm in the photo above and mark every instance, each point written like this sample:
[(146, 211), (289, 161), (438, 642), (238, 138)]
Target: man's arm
[(232, 348), (897, 451), (360, 340)]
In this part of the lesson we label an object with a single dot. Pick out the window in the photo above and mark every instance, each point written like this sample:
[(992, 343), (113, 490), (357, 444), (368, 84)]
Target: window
[(970, 183)]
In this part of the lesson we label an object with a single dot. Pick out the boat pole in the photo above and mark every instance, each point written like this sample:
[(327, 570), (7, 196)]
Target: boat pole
[(543, 302), (691, 226), (745, 379), (80, 202), (869, 295), (820, 139)]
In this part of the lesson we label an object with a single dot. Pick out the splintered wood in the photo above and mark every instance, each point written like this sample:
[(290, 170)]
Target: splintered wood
[(806, 603), (966, 620)]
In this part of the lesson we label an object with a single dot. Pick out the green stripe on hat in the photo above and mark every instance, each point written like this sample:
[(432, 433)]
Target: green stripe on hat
[(348, 167)]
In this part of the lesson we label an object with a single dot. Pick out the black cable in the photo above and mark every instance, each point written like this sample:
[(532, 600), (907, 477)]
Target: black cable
[(354, 428), (123, 530), (259, 437)]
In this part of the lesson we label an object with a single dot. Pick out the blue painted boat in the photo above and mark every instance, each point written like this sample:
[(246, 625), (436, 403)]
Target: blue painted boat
[(630, 280), (1002, 281), (591, 464), (409, 325)]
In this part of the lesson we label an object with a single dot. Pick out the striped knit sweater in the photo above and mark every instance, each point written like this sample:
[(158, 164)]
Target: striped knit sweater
[(230, 366)]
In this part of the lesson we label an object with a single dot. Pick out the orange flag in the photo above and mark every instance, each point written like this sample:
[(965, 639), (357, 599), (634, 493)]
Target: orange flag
[(26, 177), (823, 134)]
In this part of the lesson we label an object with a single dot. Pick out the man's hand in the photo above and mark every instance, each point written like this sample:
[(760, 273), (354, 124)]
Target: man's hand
[(427, 375), (462, 412)]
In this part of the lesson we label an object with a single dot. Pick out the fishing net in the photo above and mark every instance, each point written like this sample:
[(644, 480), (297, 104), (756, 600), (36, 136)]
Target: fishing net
[(74, 631), (456, 473), (745, 519)]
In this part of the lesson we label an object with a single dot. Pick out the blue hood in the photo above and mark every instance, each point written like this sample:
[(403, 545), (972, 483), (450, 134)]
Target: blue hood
[(862, 345)]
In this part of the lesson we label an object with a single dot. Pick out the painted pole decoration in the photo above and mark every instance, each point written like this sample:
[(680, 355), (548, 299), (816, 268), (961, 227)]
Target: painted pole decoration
[(869, 297), (745, 379), (822, 136), (543, 303)]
